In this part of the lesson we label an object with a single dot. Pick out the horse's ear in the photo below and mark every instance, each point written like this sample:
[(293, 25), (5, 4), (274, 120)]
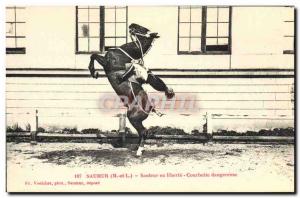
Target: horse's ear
[(132, 25), (154, 35), (138, 28)]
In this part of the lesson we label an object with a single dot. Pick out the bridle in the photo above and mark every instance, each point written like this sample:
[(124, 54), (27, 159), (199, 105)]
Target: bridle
[(138, 43)]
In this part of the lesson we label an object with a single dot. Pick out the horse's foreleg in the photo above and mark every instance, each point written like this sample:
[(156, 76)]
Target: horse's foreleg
[(159, 85), (156, 82)]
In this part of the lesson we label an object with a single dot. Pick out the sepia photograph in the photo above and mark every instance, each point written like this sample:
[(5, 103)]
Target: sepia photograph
[(150, 98)]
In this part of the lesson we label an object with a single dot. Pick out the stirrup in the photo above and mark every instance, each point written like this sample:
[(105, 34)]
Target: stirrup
[(160, 114)]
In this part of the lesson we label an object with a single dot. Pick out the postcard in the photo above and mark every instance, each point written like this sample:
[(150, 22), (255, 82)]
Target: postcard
[(187, 98)]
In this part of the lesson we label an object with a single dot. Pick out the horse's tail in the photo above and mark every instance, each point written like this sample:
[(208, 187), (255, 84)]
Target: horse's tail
[(101, 60)]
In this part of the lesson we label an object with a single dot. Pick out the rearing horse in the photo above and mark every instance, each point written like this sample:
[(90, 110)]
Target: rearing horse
[(123, 79)]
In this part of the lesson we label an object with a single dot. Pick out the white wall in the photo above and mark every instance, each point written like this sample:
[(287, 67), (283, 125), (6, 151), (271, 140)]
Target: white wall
[(257, 39), (250, 103)]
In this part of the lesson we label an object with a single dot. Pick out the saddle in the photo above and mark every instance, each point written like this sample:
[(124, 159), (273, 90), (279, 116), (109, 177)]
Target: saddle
[(136, 73), (140, 72)]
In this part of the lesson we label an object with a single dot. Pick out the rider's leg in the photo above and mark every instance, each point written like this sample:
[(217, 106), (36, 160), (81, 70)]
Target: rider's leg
[(129, 72)]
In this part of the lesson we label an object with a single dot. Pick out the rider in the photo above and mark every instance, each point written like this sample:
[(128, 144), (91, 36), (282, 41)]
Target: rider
[(137, 72)]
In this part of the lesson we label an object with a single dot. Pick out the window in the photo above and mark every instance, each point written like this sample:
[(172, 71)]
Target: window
[(204, 30), (15, 30), (289, 32), (100, 28)]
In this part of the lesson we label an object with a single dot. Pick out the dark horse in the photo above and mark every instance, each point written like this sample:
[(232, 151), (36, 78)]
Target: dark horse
[(119, 70)]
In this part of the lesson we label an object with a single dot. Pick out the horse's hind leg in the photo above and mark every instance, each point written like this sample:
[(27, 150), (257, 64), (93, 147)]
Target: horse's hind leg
[(138, 125), (100, 59)]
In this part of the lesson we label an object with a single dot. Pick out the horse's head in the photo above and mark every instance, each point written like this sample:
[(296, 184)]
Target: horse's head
[(139, 30)]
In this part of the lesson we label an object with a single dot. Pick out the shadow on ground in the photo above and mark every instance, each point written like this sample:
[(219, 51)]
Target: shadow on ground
[(119, 157)]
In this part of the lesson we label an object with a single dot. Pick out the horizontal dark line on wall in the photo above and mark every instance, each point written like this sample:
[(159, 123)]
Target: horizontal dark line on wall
[(52, 75), (288, 51), (55, 91), (75, 99), (245, 118), (15, 7), (163, 76), (290, 117), (45, 69), (176, 84), (15, 50), (221, 70), (15, 36), (15, 22), (63, 115), (41, 107), (158, 69), (96, 115)]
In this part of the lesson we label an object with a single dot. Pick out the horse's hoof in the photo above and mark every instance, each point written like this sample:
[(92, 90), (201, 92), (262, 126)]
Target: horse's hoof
[(134, 148), (96, 75), (140, 151), (170, 93)]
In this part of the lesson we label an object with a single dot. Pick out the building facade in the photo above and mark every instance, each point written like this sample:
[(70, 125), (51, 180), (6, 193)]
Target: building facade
[(238, 62)]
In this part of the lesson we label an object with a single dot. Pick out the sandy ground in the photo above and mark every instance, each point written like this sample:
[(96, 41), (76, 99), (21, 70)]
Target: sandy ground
[(251, 162)]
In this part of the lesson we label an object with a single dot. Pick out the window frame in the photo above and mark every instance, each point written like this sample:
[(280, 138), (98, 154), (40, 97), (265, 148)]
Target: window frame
[(101, 33), (15, 50), (203, 35), (291, 51)]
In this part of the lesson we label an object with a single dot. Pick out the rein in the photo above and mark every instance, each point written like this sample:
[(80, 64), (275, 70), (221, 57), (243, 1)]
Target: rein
[(137, 101), (139, 45), (141, 61)]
